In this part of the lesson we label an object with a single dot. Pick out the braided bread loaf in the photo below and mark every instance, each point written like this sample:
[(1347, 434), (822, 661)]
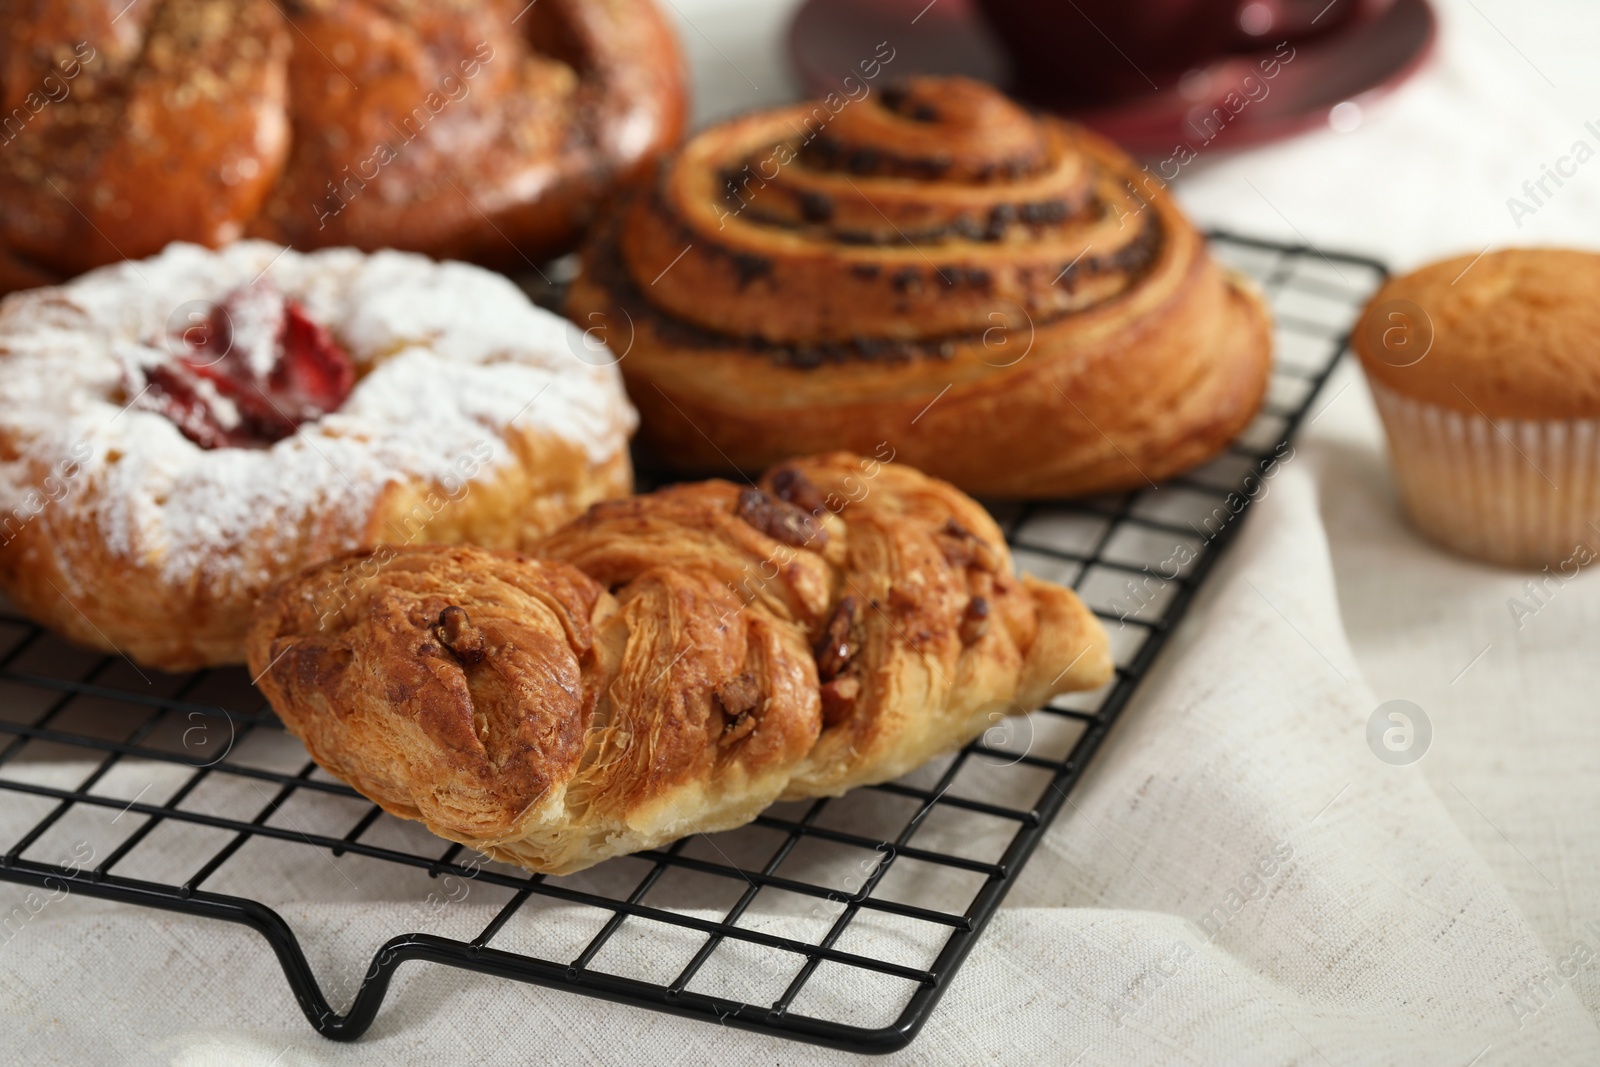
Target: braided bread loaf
[(1007, 298), (672, 663), (466, 130)]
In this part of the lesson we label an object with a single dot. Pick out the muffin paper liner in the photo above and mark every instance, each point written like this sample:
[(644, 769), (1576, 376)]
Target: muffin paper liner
[(1518, 492)]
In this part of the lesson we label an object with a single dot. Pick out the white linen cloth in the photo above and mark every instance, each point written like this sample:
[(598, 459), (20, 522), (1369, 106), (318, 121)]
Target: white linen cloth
[(1238, 880)]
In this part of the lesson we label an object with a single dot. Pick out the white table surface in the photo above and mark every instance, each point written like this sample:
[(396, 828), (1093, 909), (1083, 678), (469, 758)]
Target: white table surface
[(1427, 896)]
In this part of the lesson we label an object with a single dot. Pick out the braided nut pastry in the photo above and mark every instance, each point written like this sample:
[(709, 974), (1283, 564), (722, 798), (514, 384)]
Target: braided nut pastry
[(672, 663), (1005, 297), (465, 130)]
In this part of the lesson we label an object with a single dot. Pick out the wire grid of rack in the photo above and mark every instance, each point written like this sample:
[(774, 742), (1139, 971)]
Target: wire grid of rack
[(838, 922)]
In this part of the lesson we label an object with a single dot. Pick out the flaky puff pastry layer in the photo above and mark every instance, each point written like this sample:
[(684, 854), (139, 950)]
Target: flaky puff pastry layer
[(672, 663)]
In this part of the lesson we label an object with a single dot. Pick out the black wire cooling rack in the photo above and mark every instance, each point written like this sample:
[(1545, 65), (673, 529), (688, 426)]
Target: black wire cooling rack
[(838, 922)]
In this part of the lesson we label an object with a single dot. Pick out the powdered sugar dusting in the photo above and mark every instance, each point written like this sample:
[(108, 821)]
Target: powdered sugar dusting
[(255, 316), (448, 355)]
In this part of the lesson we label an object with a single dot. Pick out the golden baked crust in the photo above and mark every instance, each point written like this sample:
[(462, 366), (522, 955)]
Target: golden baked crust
[(671, 663), (470, 420), (1008, 300), (1508, 335), (59, 570), (467, 130)]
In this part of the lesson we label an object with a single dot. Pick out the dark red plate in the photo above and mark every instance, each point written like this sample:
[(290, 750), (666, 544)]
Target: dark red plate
[(829, 39)]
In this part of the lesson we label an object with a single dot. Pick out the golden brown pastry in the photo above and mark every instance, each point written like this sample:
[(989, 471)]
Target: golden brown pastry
[(672, 663), (1485, 371), (180, 433), (1006, 299), (463, 129)]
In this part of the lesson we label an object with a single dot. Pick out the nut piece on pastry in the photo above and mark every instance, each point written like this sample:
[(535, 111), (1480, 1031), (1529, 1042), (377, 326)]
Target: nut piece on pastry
[(179, 434), (672, 663), (481, 131), (1007, 298)]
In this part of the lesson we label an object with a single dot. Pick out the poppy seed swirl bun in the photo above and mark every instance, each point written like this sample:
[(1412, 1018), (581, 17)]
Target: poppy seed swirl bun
[(987, 290)]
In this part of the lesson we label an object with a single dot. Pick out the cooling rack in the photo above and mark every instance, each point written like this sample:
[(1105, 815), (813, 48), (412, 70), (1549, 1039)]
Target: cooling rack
[(838, 922)]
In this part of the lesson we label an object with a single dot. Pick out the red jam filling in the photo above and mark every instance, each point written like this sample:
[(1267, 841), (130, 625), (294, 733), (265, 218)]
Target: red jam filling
[(248, 372)]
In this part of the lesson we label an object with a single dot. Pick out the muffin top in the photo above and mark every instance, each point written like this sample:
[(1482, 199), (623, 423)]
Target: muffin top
[(1514, 335)]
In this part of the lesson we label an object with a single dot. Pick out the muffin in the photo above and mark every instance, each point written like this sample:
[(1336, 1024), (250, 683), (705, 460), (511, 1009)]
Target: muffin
[(1487, 376)]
